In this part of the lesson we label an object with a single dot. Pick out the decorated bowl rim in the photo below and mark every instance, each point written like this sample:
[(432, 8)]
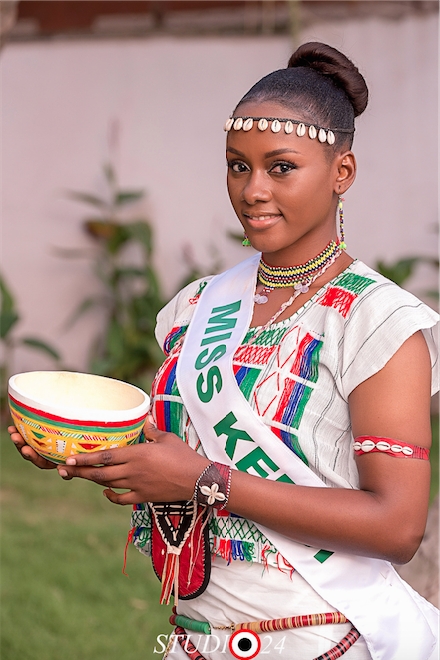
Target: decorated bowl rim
[(98, 415)]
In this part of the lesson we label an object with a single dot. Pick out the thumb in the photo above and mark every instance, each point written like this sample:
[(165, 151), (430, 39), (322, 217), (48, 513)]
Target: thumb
[(150, 429)]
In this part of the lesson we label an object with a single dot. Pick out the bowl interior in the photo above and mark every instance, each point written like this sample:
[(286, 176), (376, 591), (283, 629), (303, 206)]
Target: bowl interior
[(76, 390)]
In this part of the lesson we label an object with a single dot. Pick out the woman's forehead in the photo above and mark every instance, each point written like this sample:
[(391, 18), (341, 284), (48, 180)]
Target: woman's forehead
[(266, 144)]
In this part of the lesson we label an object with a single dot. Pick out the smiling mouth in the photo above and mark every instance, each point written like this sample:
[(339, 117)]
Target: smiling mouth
[(262, 221)]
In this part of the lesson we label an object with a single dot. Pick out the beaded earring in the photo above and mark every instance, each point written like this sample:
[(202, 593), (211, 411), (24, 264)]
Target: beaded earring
[(342, 243), (245, 242)]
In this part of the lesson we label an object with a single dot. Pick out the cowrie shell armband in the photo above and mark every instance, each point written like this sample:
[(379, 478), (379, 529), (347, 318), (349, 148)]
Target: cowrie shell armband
[(366, 444)]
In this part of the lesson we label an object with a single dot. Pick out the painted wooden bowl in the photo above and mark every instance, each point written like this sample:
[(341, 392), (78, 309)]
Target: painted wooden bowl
[(61, 413)]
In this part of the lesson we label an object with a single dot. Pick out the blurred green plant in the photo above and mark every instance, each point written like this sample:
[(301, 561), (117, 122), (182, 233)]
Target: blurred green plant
[(9, 317), (126, 349), (402, 270)]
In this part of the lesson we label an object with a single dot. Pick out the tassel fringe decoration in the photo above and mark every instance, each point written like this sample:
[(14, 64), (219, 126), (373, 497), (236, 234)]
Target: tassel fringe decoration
[(170, 576), (229, 549), (130, 536)]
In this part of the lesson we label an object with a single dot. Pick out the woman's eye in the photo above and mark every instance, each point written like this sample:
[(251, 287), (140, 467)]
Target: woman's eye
[(282, 168), (238, 166)]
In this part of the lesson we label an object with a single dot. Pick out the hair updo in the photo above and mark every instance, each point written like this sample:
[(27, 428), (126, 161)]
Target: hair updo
[(321, 85)]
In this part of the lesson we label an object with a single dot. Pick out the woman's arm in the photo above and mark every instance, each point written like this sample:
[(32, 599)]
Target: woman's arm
[(385, 518)]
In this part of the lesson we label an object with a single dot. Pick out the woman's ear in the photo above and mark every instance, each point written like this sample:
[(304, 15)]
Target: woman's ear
[(346, 171)]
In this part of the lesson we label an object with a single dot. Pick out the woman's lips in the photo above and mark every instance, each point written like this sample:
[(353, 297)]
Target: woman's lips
[(261, 221)]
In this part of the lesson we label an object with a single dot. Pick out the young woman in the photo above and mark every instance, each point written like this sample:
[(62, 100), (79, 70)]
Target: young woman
[(300, 383)]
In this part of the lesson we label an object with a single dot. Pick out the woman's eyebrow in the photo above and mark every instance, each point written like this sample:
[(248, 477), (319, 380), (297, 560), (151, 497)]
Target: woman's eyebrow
[(234, 151), (269, 154), (278, 152)]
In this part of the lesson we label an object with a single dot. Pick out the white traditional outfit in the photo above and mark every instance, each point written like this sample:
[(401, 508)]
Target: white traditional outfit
[(295, 378)]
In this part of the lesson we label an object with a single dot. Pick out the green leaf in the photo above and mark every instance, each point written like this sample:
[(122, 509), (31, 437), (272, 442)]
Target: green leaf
[(8, 314), (40, 346), (128, 197), (399, 271), (87, 198), (119, 237), (109, 174), (115, 341), (7, 321), (7, 299), (140, 231)]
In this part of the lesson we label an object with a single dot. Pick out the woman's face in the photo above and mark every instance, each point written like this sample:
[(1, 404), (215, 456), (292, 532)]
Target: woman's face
[(283, 187)]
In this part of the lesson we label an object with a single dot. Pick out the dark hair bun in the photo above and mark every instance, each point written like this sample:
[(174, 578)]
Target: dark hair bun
[(332, 63)]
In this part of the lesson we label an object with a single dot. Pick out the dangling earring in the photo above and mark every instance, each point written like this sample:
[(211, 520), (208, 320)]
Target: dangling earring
[(246, 242), (342, 243)]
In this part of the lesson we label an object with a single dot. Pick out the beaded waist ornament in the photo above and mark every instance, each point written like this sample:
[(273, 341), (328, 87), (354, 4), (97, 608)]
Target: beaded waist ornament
[(245, 635)]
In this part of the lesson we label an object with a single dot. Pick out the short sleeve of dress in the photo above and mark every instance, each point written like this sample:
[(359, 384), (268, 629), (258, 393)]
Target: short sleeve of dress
[(380, 321), (178, 312)]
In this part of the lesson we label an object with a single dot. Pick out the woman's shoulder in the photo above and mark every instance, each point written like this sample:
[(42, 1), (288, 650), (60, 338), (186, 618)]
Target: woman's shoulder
[(381, 316), (377, 297)]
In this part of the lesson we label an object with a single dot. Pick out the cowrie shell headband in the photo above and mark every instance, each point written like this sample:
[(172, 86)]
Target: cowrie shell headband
[(302, 127)]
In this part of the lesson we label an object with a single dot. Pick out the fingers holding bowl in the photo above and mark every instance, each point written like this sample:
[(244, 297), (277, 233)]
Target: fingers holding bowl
[(103, 475), (27, 452)]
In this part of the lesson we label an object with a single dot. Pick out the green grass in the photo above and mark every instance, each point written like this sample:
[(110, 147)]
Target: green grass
[(63, 591)]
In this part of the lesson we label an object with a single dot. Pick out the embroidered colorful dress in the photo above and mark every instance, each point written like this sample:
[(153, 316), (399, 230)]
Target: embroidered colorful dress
[(297, 375)]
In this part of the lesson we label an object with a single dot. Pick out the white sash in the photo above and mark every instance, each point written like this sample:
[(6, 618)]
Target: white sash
[(396, 622)]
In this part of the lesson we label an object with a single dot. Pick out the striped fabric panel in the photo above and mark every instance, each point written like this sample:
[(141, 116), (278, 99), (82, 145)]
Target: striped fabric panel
[(306, 361), (169, 417), (291, 441), (246, 378)]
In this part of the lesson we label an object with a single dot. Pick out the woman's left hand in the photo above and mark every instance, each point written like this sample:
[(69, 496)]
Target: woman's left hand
[(164, 469)]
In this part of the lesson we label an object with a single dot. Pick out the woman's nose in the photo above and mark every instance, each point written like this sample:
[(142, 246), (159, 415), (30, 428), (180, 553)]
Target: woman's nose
[(257, 188)]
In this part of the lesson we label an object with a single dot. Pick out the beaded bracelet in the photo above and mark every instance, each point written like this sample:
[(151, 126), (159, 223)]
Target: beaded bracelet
[(366, 444), (213, 486)]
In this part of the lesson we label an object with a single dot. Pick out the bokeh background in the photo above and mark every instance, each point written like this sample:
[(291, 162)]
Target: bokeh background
[(113, 188)]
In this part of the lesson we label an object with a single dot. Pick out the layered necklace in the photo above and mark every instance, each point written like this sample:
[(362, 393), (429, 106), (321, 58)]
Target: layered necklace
[(299, 277)]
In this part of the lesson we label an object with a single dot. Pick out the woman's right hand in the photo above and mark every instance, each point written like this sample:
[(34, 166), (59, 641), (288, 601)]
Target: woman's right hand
[(27, 452)]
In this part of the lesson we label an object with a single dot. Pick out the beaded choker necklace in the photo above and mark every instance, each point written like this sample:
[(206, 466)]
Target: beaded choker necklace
[(300, 287), (299, 277)]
